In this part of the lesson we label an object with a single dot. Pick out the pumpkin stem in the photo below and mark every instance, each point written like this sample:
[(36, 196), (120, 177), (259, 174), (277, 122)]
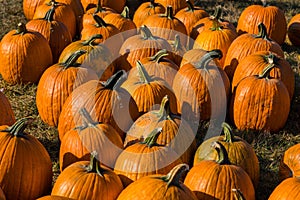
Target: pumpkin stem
[(266, 71), (21, 29), (71, 61), (177, 43), (217, 14), (151, 139), (175, 175), (216, 26), (125, 12), (264, 3), (152, 4), (146, 33), (94, 166), (143, 74), (262, 32), (222, 153), (190, 6), (49, 14), (159, 55), (52, 3), (209, 56), (169, 12), (87, 119), (99, 8), (90, 40), (229, 137), (99, 21), (164, 110), (115, 80), (238, 195), (272, 58), (17, 129)]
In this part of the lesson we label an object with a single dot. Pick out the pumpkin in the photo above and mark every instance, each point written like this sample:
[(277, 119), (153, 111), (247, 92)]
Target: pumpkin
[(260, 103), (177, 5), (293, 30), (29, 7), (111, 36), (176, 132), (148, 91), (216, 37), (271, 16), (122, 21), (166, 26), (247, 44), (2, 195), (140, 46), (215, 179), (57, 83), (146, 9), (145, 158), (118, 5), (55, 32), (193, 55), (25, 55), (53, 197), (287, 189), (26, 168), (63, 13), (105, 101), (239, 152), (88, 180), (97, 56), (133, 5), (163, 187), (290, 162), (77, 143), (202, 89), (256, 62), (6, 111)]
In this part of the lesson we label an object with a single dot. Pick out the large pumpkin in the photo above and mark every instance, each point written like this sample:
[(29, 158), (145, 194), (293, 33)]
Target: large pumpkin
[(271, 16), (216, 179), (287, 189), (290, 163), (25, 55), (25, 165), (88, 180), (6, 112), (160, 187)]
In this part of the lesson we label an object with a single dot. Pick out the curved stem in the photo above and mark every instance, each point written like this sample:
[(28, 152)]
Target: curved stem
[(70, 62), (152, 4), (115, 80), (90, 40), (151, 139), (175, 175), (146, 33), (99, 21), (190, 6), (159, 55), (262, 32), (87, 119), (177, 43), (238, 195), (209, 56), (266, 71), (52, 3), (49, 14), (229, 137), (125, 13), (143, 74), (217, 14), (21, 29), (99, 8), (94, 166), (164, 110), (222, 153), (17, 129)]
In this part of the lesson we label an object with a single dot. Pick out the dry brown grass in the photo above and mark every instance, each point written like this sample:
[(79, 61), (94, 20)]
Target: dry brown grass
[(269, 147)]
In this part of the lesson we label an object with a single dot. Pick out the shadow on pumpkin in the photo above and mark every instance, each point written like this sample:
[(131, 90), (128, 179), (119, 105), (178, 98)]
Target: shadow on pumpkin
[(202, 195)]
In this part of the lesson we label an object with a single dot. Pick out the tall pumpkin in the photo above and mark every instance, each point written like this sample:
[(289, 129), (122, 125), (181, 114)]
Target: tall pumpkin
[(26, 168), (25, 55), (6, 111)]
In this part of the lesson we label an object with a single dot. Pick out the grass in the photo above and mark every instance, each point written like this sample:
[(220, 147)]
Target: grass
[(268, 146)]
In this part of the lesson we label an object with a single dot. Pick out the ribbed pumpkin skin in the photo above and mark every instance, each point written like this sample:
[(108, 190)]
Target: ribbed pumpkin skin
[(210, 180), (294, 30), (26, 168), (77, 183), (53, 197), (290, 163), (63, 13), (29, 7), (118, 6), (272, 16), (54, 87), (176, 4), (88, 15), (192, 55), (24, 57), (245, 45), (260, 104), (6, 112), (287, 189), (254, 63)]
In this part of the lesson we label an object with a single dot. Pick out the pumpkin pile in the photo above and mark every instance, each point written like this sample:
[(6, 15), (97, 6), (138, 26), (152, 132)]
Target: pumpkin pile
[(127, 83)]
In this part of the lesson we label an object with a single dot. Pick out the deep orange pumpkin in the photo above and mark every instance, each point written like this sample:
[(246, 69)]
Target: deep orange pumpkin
[(290, 163), (54, 197), (287, 189), (6, 112), (118, 6), (29, 7)]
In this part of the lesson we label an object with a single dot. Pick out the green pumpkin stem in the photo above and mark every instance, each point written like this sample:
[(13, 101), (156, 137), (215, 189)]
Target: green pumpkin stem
[(125, 13), (174, 176), (159, 55), (190, 6), (99, 21), (164, 110), (143, 74), (146, 33), (115, 81), (238, 195), (49, 14), (209, 56), (266, 71), (169, 12), (17, 129), (94, 166), (21, 29), (222, 153), (87, 119), (228, 132), (151, 139), (216, 26), (262, 32), (71, 60), (90, 40), (177, 43)]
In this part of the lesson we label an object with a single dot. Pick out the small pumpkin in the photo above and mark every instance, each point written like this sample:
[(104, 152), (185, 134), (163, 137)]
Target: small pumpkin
[(287, 189), (96, 180), (293, 30), (290, 163), (167, 187)]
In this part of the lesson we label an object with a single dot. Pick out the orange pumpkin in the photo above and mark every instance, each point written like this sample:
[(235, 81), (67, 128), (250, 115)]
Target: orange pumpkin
[(29, 7), (25, 55), (290, 163), (293, 31), (287, 189), (6, 112), (193, 55), (177, 5), (118, 6), (178, 50)]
